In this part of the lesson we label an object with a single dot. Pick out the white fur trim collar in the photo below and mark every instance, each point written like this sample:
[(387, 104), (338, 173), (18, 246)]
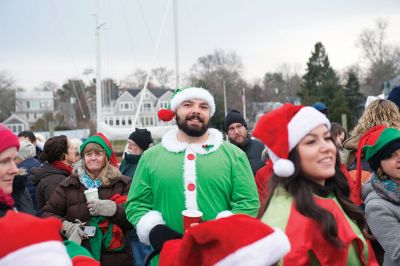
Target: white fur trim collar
[(171, 143)]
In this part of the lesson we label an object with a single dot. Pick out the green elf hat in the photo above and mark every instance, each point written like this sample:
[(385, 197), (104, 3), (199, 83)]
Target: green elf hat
[(102, 140), (181, 95), (374, 145), (387, 143)]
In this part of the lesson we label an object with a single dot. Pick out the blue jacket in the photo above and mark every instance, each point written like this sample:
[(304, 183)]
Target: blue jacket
[(28, 164)]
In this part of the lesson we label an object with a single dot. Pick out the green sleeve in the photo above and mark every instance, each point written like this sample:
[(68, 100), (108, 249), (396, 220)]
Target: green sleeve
[(140, 196), (244, 195)]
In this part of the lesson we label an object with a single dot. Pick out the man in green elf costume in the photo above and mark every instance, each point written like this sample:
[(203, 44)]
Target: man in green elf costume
[(191, 169)]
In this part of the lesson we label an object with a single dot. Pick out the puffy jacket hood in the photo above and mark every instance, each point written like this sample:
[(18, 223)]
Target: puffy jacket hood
[(368, 193), (39, 173)]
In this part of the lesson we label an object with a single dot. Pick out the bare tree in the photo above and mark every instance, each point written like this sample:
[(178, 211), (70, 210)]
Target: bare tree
[(210, 71), (291, 80), (136, 79), (162, 75), (48, 86), (383, 59), (7, 95)]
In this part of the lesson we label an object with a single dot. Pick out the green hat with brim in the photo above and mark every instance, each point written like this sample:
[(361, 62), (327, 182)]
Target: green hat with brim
[(98, 140)]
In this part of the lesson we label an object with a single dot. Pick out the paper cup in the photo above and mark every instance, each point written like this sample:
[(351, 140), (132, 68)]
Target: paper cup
[(190, 217), (91, 194)]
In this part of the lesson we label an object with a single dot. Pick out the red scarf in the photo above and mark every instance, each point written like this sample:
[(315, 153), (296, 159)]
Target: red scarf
[(62, 166), (6, 199)]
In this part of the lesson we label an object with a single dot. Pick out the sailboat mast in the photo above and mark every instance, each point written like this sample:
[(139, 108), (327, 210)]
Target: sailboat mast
[(98, 68), (175, 12)]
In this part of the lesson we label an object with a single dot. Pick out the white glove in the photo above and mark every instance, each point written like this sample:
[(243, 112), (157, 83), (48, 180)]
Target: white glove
[(102, 207), (74, 231)]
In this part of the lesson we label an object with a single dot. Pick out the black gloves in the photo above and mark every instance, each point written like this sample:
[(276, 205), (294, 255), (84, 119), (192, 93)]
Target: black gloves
[(160, 234)]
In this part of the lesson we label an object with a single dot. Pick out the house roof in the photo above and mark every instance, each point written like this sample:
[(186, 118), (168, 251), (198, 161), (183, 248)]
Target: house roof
[(15, 119), (157, 92), (30, 95)]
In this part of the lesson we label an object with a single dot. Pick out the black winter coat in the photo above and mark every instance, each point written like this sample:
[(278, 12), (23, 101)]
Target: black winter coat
[(46, 178), (253, 149)]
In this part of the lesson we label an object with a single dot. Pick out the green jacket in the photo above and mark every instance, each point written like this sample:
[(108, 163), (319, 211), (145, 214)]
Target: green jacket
[(214, 177)]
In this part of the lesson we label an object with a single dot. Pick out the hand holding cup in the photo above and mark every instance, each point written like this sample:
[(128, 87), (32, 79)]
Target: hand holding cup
[(191, 218)]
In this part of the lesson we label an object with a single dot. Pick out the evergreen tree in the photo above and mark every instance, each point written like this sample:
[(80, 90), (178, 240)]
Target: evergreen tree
[(321, 84), (354, 99)]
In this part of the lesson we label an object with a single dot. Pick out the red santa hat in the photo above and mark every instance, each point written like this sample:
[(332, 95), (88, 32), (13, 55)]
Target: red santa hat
[(213, 243), (283, 128), (181, 95), (29, 240)]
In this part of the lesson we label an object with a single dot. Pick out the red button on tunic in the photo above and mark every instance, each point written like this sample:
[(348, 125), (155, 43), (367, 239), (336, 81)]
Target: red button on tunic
[(191, 187), (190, 156)]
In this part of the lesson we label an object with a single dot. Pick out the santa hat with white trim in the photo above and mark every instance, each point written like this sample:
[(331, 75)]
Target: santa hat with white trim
[(213, 243), (181, 95), (29, 240), (283, 128)]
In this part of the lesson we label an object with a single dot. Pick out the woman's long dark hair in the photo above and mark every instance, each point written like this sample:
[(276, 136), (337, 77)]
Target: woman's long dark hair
[(302, 189)]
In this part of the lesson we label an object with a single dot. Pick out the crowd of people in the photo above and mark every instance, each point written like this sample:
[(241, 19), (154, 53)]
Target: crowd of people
[(297, 190)]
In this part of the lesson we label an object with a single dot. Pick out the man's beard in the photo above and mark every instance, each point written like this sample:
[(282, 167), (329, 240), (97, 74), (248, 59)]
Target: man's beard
[(192, 131), (245, 138)]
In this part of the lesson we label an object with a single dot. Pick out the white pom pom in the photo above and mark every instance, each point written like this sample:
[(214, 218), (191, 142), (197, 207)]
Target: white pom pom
[(283, 168)]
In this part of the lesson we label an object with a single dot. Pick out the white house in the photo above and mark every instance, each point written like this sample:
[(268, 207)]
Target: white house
[(16, 124), (123, 113), (31, 105)]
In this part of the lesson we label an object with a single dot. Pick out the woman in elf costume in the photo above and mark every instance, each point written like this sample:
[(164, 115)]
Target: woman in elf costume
[(308, 194), (107, 214), (381, 148)]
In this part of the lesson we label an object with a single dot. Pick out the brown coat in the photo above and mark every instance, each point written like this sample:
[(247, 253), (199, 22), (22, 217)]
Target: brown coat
[(68, 202)]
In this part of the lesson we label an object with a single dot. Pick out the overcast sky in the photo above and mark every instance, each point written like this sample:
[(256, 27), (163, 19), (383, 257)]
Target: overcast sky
[(52, 40)]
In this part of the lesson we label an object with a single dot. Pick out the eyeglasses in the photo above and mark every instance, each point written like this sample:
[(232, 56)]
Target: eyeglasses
[(233, 128), (131, 143)]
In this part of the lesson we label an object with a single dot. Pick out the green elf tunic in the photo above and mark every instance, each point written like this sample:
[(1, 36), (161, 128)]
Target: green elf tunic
[(308, 245), (214, 177)]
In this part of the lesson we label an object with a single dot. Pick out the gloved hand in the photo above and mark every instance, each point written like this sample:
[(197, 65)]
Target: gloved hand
[(74, 231), (160, 234), (102, 207)]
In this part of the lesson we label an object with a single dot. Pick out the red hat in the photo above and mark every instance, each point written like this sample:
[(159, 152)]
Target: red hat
[(213, 243), (29, 240), (283, 128), (7, 138)]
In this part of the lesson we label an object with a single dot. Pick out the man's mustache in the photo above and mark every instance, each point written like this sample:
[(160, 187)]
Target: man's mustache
[(194, 116)]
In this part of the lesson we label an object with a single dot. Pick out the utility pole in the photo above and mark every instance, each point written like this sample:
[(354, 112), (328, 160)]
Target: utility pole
[(175, 12), (223, 87)]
